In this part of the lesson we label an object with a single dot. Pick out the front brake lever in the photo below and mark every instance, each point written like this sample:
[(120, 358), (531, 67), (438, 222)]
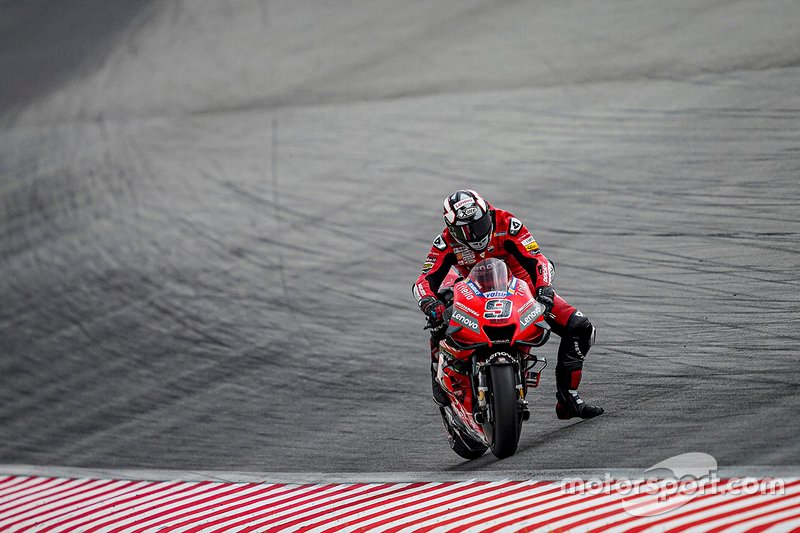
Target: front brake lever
[(432, 325)]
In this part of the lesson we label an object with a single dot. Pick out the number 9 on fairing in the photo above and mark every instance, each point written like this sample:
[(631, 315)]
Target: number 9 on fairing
[(497, 309)]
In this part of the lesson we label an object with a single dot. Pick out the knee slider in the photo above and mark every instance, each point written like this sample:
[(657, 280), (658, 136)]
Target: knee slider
[(582, 333)]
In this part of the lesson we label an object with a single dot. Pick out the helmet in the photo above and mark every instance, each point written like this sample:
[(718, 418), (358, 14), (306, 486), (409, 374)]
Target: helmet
[(468, 218)]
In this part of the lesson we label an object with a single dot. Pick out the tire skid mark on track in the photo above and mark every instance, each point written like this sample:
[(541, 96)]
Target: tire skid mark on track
[(146, 321)]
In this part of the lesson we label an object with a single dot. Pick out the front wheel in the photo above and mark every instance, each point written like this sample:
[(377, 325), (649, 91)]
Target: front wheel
[(507, 416)]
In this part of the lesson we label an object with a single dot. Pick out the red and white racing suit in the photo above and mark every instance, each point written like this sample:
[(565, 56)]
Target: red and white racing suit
[(513, 243)]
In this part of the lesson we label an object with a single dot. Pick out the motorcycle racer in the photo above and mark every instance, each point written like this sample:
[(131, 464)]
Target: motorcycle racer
[(476, 230)]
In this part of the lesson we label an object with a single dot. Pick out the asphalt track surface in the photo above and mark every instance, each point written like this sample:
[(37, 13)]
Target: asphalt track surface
[(211, 215)]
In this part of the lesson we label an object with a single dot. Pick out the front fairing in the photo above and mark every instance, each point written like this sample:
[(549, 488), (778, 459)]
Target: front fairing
[(484, 319)]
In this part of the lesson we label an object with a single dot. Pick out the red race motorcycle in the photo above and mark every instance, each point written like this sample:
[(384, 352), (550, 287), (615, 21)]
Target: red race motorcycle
[(485, 362)]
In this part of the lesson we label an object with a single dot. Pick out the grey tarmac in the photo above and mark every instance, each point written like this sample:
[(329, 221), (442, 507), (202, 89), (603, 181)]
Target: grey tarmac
[(212, 212)]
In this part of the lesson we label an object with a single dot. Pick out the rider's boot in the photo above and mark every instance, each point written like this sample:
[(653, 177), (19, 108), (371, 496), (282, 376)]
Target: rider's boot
[(439, 395), (577, 338), (569, 404)]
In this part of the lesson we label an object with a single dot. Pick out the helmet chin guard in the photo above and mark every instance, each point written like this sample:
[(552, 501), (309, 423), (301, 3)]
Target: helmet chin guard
[(480, 245)]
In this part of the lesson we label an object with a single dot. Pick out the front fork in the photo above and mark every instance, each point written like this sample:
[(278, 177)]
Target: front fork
[(483, 413), (533, 366)]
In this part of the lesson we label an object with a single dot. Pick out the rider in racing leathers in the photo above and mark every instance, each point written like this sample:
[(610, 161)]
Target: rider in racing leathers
[(475, 230)]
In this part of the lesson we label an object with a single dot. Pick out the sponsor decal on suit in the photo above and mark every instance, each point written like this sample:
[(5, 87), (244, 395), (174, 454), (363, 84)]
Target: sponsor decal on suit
[(530, 244), (464, 255)]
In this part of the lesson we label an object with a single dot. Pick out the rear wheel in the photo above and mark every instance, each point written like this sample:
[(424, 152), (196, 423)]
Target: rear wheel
[(507, 416), (462, 444)]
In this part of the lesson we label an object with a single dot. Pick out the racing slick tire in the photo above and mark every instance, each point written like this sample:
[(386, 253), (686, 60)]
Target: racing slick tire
[(507, 416)]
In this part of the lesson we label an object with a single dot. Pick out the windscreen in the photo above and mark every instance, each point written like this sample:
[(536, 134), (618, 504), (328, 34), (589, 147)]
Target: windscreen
[(490, 275)]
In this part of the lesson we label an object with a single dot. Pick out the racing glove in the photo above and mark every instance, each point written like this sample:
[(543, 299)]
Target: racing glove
[(433, 309), (545, 296)]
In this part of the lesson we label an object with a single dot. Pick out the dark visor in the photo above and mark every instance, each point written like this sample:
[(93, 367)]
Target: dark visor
[(473, 231)]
